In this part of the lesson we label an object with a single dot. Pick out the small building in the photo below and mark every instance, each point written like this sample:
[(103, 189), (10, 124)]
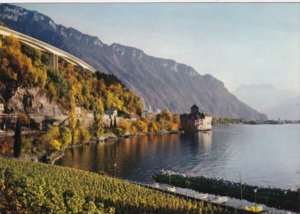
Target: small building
[(110, 118), (111, 112), (78, 111), (147, 114), (195, 121)]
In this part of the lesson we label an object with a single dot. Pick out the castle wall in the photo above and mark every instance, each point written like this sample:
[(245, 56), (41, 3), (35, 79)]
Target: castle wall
[(190, 124)]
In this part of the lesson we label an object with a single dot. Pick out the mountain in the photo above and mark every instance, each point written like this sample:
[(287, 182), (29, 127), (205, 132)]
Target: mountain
[(255, 95), (289, 109), (162, 83), (270, 100)]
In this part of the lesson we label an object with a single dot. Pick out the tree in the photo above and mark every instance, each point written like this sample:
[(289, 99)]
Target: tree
[(65, 136), (123, 127), (98, 125), (112, 101), (167, 115), (84, 135), (52, 133), (19, 63), (18, 138), (52, 91), (176, 119), (56, 77), (23, 70), (141, 126), (55, 144), (33, 53), (153, 127), (73, 115), (139, 106), (165, 120)]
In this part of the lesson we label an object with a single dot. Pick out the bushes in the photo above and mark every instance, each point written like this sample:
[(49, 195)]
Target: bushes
[(57, 138), (29, 187)]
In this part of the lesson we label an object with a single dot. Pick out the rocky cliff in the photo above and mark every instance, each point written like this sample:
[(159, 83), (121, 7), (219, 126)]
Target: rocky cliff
[(35, 101)]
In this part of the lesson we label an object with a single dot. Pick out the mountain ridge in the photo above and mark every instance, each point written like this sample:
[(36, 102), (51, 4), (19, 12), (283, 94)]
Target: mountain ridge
[(279, 103), (162, 83)]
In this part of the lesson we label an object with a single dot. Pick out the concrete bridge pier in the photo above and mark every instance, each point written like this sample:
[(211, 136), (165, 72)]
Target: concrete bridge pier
[(54, 61)]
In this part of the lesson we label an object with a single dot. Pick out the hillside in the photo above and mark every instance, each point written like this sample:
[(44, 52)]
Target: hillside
[(41, 188), (78, 101), (282, 104), (26, 74), (287, 110), (162, 83)]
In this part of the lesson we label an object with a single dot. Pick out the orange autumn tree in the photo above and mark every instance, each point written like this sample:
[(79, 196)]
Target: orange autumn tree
[(19, 67)]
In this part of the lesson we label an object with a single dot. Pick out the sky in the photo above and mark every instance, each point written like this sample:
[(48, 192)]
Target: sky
[(238, 43)]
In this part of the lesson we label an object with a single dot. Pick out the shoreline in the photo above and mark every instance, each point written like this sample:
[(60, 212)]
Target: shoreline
[(102, 139)]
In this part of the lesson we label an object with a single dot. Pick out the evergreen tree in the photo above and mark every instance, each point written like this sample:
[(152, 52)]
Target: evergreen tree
[(18, 139)]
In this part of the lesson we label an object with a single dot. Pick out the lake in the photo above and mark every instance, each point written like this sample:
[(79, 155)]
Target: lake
[(266, 155)]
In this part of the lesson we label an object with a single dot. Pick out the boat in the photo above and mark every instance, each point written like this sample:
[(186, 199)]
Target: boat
[(254, 208), (201, 196), (171, 189), (219, 200)]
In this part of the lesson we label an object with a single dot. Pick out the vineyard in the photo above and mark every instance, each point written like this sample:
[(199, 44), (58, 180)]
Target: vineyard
[(28, 187)]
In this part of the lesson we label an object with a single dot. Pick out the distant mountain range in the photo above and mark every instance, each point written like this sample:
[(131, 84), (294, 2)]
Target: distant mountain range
[(277, 104), (162, 83)]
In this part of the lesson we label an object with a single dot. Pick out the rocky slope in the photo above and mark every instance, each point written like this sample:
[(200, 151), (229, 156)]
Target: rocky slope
[(35, 101), (162, 83)]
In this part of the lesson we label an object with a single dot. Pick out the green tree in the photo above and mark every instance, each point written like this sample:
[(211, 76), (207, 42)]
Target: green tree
[(65, 136), (73, 116), (84, 135), (33, 53), (57, 78), (52, 133), (51, 138), (52, 91), (98, 125)]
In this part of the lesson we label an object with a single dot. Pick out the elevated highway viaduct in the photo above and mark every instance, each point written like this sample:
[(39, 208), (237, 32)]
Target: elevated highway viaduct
[(54, 52)]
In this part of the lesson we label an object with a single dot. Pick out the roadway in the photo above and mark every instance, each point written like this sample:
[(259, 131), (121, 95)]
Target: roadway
[(35, 43)]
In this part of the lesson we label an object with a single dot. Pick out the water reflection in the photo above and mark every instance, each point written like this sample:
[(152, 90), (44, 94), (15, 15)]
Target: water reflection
[(205, 139), (223, 153), (197, 143)]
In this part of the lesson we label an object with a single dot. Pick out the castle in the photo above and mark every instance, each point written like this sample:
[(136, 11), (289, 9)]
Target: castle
[(195, 121)]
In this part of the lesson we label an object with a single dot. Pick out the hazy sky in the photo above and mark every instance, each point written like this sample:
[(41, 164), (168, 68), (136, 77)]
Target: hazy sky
[(239, 43)]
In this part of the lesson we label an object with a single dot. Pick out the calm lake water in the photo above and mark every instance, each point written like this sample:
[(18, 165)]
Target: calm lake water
[(266, 155)]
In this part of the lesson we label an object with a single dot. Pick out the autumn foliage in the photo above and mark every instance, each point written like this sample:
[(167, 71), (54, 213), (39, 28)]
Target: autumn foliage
[(23, 66)]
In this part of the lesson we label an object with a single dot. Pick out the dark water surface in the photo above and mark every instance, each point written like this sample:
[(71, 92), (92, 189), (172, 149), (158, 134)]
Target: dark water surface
[(266, 155)]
